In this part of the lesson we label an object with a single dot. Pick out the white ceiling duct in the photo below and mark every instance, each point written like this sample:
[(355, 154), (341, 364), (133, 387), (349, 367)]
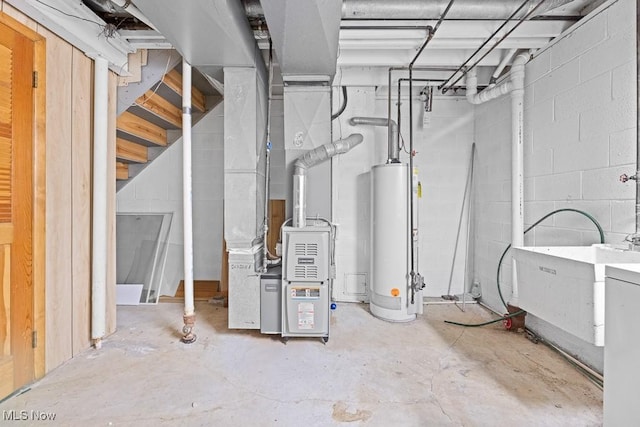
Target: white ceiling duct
[(305, 36), (205, 32)]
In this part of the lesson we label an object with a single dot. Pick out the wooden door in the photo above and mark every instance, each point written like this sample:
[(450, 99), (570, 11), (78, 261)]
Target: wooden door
[(17, 340)]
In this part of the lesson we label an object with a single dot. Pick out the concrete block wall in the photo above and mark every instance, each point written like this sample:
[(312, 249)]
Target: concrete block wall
[(443, 150), (579, 138), (158, 188)]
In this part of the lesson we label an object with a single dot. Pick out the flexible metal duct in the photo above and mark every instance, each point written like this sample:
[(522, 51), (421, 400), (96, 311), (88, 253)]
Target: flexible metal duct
[(308, 160), (419, 9), (394, 148)]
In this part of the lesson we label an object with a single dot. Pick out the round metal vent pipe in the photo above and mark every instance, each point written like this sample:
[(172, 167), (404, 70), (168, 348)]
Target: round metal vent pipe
[(421, 10)]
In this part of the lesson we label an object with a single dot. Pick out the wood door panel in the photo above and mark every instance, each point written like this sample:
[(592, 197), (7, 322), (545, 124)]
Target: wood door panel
[(6, 375), (22, 295), (16, 210)]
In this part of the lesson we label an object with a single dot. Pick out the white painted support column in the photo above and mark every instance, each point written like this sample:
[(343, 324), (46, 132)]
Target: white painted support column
[(187, 205), (100, 215)]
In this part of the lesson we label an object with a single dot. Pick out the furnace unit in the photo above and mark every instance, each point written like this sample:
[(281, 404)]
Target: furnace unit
[(306, 281)]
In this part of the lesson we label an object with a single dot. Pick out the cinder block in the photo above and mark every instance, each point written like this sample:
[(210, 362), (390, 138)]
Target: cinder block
[(621, 16), (529, 98), (585, 96), (579, 41), (623, 216), (592, 153), (622, 147), (611, 53), (558, 80), (565, 186), (538, 162), (604, 119), (604, 184), (535, 210), (539, 66), (617, 238), (556, 236), (600, 210), (623, 81), (529, 189), (540, 115), (557, 132)]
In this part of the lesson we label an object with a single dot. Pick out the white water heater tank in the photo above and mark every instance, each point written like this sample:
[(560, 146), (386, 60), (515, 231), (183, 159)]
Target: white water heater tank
[(390, 293)]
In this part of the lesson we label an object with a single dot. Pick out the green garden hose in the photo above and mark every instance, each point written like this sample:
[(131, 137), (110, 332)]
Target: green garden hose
[(593, 220)]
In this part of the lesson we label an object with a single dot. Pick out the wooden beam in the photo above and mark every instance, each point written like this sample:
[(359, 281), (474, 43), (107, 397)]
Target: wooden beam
[(141, 128), (157, 105), (122, 171), (173, 79), (130, 151)]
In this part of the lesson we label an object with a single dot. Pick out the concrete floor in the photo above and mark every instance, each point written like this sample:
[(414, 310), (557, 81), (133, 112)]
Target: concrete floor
[(374, 373)]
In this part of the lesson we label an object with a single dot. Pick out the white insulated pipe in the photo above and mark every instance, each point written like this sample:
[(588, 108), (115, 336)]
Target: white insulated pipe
[(515, 86), (308, 160), (187, 204), (100, 198), (517, 165), (501, 66)]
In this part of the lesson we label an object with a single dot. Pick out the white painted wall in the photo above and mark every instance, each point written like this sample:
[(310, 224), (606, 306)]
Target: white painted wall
[(443, 150), (579, 138), (158, 188)]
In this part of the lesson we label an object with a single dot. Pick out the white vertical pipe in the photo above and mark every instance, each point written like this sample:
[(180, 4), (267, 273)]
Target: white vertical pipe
[(517, 165), (100, 160), (515, 86), (187, 205)]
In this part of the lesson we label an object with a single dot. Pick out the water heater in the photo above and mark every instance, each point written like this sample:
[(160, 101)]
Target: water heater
[(390, 284)]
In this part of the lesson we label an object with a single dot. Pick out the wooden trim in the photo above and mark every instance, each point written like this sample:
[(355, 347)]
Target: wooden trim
[(39, 204), (81, 163), (130, 151), (157, 105), (133, 125), (122, 171), (173, 79), (15, 25), (38, 186)]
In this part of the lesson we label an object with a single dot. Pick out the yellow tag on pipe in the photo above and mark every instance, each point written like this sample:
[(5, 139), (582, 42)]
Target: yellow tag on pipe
[(419, 190)]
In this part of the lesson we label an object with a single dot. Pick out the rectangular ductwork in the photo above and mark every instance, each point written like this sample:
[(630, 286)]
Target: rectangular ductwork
[(305, 37)]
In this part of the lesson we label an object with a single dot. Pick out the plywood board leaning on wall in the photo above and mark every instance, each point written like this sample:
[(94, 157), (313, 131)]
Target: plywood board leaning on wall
[(81, 103)]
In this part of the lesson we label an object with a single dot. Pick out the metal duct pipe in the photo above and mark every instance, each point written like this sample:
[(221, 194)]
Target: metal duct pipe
[(393, 155), (309, 160), (421, 10)]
